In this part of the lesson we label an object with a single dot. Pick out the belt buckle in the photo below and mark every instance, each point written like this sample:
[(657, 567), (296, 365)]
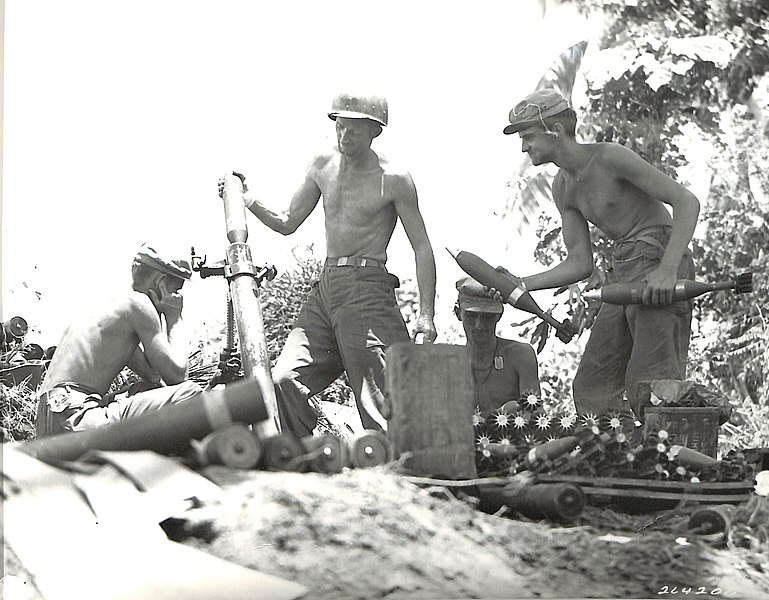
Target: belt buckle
[(342, 261)]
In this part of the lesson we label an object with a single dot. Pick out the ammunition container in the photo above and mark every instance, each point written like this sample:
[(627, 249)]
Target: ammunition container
[(284, 452), (711, 520), (326, 453), (369, 450), (236, 447)]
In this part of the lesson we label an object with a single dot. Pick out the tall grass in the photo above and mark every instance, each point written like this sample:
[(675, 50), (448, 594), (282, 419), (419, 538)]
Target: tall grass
[(18, 413)]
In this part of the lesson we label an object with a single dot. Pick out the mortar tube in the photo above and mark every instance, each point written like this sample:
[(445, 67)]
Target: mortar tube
[(244, 292)]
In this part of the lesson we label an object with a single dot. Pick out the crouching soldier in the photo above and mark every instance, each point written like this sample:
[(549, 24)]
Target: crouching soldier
[(504, 370), (142, 330)]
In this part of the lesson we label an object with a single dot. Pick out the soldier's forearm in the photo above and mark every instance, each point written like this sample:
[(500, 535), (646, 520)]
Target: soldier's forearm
[(426, 285), (279, 222), (141, 366), (684, 224), (565, 273), (179, 340)]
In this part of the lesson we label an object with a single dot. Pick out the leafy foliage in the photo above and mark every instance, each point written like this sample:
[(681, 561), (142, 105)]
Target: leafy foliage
[(283, 297), (733, 348)]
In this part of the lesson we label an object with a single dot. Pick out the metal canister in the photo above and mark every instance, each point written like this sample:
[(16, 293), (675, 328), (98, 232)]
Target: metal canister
[(711, 521), (283, 452), (15, 329), (369, 449), (326, 453), (235, 446)]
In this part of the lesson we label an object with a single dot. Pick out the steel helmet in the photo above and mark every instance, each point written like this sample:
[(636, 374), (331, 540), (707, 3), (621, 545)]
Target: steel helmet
[(360, 107)]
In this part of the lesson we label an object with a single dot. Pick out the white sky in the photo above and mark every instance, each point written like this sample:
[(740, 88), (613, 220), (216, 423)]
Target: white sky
[(120, 117)]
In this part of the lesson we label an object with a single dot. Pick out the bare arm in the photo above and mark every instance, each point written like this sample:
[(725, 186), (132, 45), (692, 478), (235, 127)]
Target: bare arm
[(686, 208), (407, 206), (304, 201), (578, 263), (139, 365), (528, 373), (165, 343)]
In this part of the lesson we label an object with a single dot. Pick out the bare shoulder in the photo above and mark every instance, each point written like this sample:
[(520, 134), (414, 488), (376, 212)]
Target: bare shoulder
[(397, 177), (393, 167), (516, 349), (559, 189), (612, 154), (321, 161), (139, 307)]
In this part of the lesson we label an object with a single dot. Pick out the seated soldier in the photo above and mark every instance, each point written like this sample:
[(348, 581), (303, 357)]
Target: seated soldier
[(141, 329), (504, 370)]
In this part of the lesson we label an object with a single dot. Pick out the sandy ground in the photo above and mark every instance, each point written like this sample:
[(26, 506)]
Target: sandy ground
[(372, 533), (376, 534)]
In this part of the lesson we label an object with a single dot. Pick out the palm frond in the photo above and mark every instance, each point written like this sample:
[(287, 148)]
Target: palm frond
[(530, 194), (563, 72)]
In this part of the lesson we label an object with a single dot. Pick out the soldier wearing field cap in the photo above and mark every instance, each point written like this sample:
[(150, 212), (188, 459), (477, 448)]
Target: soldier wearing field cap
[(649, 219), (141, 329), (351, 313), (504, 371)]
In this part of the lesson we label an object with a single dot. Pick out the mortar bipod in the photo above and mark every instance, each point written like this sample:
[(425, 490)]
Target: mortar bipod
[(230, 365)]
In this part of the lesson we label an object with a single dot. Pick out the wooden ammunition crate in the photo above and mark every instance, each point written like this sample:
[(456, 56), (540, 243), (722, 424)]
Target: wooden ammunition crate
[(693, 427)]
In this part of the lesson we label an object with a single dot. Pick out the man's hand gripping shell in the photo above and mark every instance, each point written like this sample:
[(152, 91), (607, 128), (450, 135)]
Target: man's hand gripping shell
[(425, 329), (220, 184)]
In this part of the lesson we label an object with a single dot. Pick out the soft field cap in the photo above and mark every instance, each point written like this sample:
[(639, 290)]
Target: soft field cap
[(541, 103), (149, 256), (474, 298)]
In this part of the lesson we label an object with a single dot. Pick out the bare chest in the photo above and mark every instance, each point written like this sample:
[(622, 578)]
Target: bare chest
[(607, 202), (356, 197)]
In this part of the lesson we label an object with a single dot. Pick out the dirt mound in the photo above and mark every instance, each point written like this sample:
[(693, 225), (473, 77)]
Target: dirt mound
[(370, 533)]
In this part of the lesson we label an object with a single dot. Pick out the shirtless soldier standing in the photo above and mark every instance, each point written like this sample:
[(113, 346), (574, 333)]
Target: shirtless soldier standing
[(351, 313), (142, 330), (613, 188)]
